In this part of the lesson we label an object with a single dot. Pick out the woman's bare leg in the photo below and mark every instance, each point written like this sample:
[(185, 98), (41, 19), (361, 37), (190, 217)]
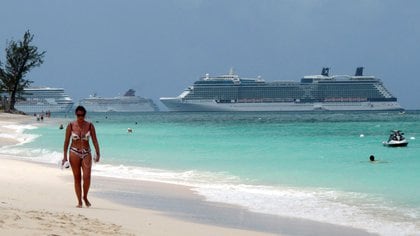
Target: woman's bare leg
[(76, 163), (87, 169)]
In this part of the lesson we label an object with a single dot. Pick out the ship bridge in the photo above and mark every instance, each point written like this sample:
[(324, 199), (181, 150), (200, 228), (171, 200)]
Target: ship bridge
[(226, 80)]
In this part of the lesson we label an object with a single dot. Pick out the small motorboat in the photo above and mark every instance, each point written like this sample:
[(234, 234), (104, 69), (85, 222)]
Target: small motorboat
[(396, 139)]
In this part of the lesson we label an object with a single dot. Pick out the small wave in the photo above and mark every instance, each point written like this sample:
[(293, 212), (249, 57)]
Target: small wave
[(347, 209), (38, 155), (17, 133), (323, 205), (189, 178), (20, 128)]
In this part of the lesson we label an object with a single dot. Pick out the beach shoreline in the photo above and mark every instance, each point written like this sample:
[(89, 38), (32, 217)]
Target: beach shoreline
[(39, 198)]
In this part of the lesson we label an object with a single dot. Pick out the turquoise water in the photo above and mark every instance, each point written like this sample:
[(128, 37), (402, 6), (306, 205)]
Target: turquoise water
[(309, 165)]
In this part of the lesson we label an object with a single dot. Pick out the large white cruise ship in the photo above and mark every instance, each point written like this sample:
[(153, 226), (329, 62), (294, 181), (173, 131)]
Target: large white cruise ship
[(43, 99), (127, 103), (313, 93)]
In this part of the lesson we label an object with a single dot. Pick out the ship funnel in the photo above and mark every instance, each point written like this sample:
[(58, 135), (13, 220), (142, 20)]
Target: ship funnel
[(130, 93), (325, 71), (359, 71)]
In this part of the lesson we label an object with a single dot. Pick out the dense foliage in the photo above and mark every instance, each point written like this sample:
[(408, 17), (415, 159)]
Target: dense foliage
[(21, 57)]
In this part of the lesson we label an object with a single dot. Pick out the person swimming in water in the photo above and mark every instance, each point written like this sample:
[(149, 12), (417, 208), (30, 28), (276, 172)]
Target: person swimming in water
[(80, 157)]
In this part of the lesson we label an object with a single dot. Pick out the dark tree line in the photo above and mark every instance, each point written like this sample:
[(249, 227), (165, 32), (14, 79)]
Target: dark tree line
[(21, 57)]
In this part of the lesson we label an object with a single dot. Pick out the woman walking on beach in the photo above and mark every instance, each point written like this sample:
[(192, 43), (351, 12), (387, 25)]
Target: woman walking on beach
[(78, 132)]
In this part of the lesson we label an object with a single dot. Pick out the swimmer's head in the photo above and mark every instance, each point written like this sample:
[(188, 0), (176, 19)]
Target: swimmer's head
[(372, 158)]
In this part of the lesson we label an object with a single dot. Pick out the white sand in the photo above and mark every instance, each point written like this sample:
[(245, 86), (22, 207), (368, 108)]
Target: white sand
[(36, 200)]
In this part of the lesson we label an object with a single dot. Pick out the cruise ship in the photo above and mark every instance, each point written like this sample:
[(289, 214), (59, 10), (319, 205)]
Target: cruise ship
[(322, 92), (43, 99), (127, 103)]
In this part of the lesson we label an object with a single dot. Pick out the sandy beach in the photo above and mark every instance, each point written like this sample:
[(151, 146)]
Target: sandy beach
[(38, 199)]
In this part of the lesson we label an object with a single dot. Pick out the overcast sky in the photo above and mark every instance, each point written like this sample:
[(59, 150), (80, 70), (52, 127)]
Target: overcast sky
[(159, 48)]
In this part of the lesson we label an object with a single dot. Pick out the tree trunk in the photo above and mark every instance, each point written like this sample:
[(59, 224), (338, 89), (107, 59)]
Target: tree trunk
[(12, 101), (13, 97)]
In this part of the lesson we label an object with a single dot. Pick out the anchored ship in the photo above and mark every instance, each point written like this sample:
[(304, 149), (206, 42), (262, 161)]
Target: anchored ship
[(313, 93), (127, 103), (43, 99)]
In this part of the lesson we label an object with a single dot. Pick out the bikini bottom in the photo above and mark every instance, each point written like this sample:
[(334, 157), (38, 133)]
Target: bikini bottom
[(82, 153)]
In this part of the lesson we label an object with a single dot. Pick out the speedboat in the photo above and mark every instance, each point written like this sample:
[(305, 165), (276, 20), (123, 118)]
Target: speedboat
[(396, 139)]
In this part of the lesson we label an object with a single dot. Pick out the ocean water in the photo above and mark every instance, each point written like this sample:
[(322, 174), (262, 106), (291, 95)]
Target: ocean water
[(307, 165)]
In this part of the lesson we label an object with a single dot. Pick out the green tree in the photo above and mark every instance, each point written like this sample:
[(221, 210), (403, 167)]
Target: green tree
[(21, 57)]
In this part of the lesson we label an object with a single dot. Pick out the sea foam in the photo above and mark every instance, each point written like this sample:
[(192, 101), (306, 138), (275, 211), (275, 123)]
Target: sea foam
[(358, 210), (17, 133), (323, 205)]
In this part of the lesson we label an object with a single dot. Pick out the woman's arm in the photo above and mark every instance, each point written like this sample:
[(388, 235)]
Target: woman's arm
[(66, 143), (95, 142)]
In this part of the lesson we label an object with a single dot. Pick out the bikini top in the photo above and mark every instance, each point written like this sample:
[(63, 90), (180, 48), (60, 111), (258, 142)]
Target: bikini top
[(75, 136)]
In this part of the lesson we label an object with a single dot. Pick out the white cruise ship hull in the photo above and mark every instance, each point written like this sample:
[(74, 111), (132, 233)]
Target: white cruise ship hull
[(313, 93), (38, 108), (145, 107), (127, 103), (178, 104), (44, 99)]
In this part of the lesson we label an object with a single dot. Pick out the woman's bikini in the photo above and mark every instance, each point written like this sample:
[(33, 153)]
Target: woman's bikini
[(82, 153)]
